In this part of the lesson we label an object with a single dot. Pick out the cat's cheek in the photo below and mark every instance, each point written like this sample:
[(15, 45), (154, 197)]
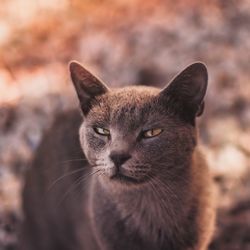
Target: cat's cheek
[(85, 145), (92, 145), (89, 140), (82, 135), (151, 145)]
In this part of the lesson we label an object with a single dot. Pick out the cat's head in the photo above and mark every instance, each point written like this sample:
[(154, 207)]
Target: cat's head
[(133, 134)]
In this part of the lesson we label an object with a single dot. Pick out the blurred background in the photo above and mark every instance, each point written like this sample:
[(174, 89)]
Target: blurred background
[(126, 42)]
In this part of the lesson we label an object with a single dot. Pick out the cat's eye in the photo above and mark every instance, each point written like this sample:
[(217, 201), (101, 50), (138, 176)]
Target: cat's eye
[(102, 131), (151, 132)]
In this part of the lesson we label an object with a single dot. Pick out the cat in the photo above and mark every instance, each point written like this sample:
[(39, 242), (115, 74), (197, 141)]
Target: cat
[(125, 174)]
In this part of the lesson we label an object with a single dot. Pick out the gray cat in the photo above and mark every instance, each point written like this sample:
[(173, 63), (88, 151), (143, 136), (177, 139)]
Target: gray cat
[(141, 183)]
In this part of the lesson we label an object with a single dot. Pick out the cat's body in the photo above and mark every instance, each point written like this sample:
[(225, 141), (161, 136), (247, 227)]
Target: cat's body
[(146, 185)]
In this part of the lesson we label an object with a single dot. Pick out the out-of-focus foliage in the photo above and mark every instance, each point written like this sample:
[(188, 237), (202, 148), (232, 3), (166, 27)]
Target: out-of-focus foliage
[(126, 42)]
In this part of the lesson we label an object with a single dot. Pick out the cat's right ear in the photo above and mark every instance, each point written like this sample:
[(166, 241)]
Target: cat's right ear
[(185, 93), (87, 86)]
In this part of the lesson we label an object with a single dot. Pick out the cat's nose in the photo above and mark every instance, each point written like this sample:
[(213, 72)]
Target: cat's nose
[(119, 158)]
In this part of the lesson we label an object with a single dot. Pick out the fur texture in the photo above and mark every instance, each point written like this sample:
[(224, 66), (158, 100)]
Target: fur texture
[(126, 191)]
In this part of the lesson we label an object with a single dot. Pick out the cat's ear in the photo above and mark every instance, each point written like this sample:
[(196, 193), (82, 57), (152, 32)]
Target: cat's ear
[(87, 86), (185, 93)]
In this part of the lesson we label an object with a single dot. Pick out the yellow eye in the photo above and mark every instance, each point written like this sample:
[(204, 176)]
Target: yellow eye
[(102, 131), (152, 132)]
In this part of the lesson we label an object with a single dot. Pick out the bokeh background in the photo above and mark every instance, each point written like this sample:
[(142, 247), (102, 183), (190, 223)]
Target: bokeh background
[(126, 42)]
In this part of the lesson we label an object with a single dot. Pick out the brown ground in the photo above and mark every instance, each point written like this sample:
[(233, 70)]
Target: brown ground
[(126, 42)]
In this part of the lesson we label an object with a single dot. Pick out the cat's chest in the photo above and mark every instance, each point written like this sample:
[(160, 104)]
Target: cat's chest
[(115, 231), (112, 231)]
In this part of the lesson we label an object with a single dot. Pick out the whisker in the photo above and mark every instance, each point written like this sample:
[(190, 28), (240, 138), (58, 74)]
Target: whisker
[(162, 184), (62, 177), (73, 160), (64, 163), (75, 184), (159, 192)]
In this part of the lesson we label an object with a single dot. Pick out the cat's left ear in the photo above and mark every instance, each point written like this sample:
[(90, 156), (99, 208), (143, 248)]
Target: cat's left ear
[(87, 86), (185, 93)]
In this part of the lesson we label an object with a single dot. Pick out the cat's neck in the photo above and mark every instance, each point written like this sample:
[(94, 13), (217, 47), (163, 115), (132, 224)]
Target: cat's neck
[(156, 209)]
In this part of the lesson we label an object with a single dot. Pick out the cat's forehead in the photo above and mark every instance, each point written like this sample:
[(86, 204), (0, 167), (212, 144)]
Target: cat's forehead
[(133, 96), (126, 106)]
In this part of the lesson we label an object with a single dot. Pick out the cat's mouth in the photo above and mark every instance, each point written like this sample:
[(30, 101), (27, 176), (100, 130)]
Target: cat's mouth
[(124, 178)]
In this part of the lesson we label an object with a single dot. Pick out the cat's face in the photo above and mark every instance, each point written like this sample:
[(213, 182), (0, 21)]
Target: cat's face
[(130, 136), (134, 134)]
